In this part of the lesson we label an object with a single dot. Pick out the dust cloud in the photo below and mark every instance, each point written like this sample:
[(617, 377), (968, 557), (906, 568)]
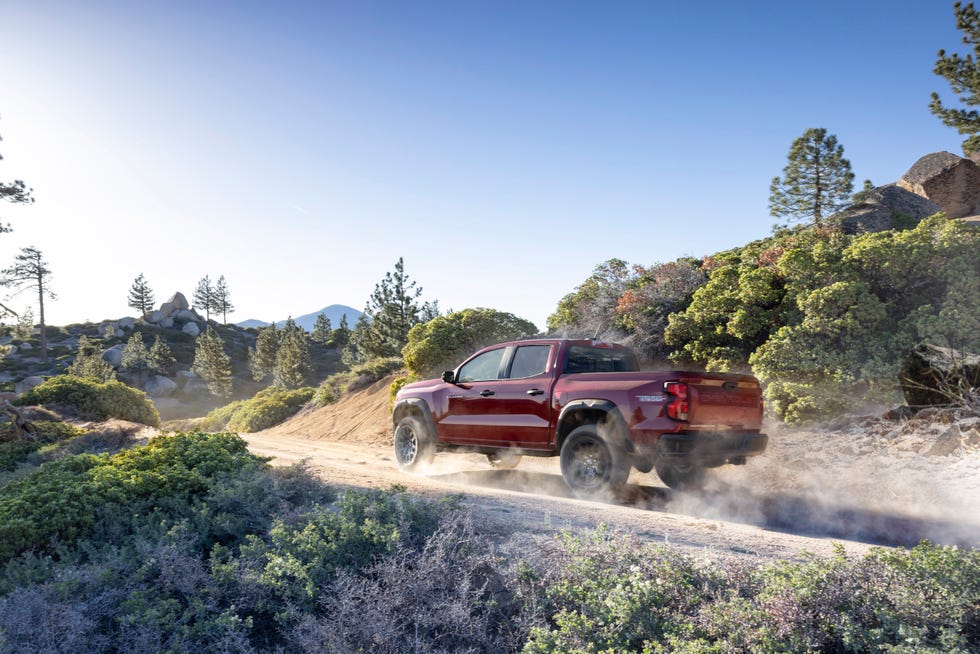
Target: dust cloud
[(887, 482)]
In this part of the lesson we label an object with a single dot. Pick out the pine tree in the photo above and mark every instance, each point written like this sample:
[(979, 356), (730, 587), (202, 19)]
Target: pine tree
[(963, 75), (141, 296), (322, 330), (212, 364), (262, 359), (293, 368), (135, 354), (30, 273), (392, 311), (89, 363), (204, 296), (221, 300), (16, 192), (160, 357), (864, 193), (341, 335), (817, 180)]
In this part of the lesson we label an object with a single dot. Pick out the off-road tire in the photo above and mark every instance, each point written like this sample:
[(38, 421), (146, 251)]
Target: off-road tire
[(681, 475), (414, 445), (503, 460), (590, 464)]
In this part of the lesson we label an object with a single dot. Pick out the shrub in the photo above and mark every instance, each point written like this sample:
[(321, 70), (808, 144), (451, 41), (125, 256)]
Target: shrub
[(605, 594), (99, 401), (445, 341), (397, 385), (13, 452), (64, 500), (358, 377), (269, 407)]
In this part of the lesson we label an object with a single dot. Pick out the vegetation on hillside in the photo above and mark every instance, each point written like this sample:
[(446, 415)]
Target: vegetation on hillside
[(93, 400), (825, 319), (190, 543)]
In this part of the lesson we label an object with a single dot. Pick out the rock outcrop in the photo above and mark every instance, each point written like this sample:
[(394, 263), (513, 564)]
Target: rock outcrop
[(950, 181), (175, 312), (886, 207)]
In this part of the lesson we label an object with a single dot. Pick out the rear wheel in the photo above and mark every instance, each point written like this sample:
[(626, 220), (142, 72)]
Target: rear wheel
[(503, 460), (414, 445), (681, 475), (591, 465)]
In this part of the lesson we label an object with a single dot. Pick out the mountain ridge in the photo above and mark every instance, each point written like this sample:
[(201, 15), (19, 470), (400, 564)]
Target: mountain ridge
[(307, 321)]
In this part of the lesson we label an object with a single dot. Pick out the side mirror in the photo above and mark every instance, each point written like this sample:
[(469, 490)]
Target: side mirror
[(449, 377)]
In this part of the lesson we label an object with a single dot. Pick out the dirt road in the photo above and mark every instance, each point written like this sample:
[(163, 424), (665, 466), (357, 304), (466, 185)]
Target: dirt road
[(870, 482), (533, 502)]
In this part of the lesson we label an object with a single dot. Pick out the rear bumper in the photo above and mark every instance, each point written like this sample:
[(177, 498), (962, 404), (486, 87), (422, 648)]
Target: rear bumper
[(711, 448)]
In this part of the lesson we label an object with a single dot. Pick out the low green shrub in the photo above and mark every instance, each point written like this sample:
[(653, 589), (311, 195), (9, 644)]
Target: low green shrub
[(64, 500), (397, 385), (16, 451), (269, 407), (613, 595), (359, 377), (99, 401)]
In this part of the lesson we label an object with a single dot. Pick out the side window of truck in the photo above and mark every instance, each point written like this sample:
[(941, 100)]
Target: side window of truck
[(481, 368), (529, 361)]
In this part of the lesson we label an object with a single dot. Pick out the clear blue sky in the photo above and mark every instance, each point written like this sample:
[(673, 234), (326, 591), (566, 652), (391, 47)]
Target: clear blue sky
[(504, 149)]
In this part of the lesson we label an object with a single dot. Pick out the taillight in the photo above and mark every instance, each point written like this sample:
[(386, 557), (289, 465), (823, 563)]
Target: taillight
[(677, 407)]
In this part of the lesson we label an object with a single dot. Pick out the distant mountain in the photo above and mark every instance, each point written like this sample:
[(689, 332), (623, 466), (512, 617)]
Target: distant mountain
[(334, 312)]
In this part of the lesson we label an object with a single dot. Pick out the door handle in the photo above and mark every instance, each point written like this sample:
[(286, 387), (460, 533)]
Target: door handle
[(487, 393), (535, 391)]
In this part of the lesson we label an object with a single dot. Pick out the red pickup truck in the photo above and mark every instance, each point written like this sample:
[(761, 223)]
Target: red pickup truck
[(586, 402)]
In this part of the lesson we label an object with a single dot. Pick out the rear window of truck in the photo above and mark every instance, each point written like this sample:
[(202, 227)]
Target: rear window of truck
[(582, 358)]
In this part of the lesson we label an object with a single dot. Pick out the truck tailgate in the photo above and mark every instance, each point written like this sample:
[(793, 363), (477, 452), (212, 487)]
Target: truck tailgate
[(724, 402)]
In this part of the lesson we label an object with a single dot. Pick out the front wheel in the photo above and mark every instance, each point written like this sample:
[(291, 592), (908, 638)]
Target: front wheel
[(591, 465), (414, 444), (681, 475)]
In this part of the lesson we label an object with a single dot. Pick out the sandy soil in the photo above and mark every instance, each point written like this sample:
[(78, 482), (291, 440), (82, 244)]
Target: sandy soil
[(873, 482)]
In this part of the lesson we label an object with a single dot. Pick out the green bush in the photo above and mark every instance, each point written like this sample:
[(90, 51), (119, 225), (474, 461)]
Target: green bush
[(360, 376), (64, 500), (613, 595), (14, 452), (825, 319), (269, 407), (99, 401), (397, 385), (443, 342)]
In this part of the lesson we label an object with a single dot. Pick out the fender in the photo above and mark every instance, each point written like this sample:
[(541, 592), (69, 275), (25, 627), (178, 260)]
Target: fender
[(414, 405), (611, 414)]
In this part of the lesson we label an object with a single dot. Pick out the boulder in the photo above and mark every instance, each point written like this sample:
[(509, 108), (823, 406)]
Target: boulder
[(192, 329), (27, 384), (126, 323), (113, 356), (194, 387), (950, 181), (160, 386), (167, 322), (186, 314), (885, 207), (25, 347), (184, 377), (167, 308), (179, 301), (154, 317), (939, 376)]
